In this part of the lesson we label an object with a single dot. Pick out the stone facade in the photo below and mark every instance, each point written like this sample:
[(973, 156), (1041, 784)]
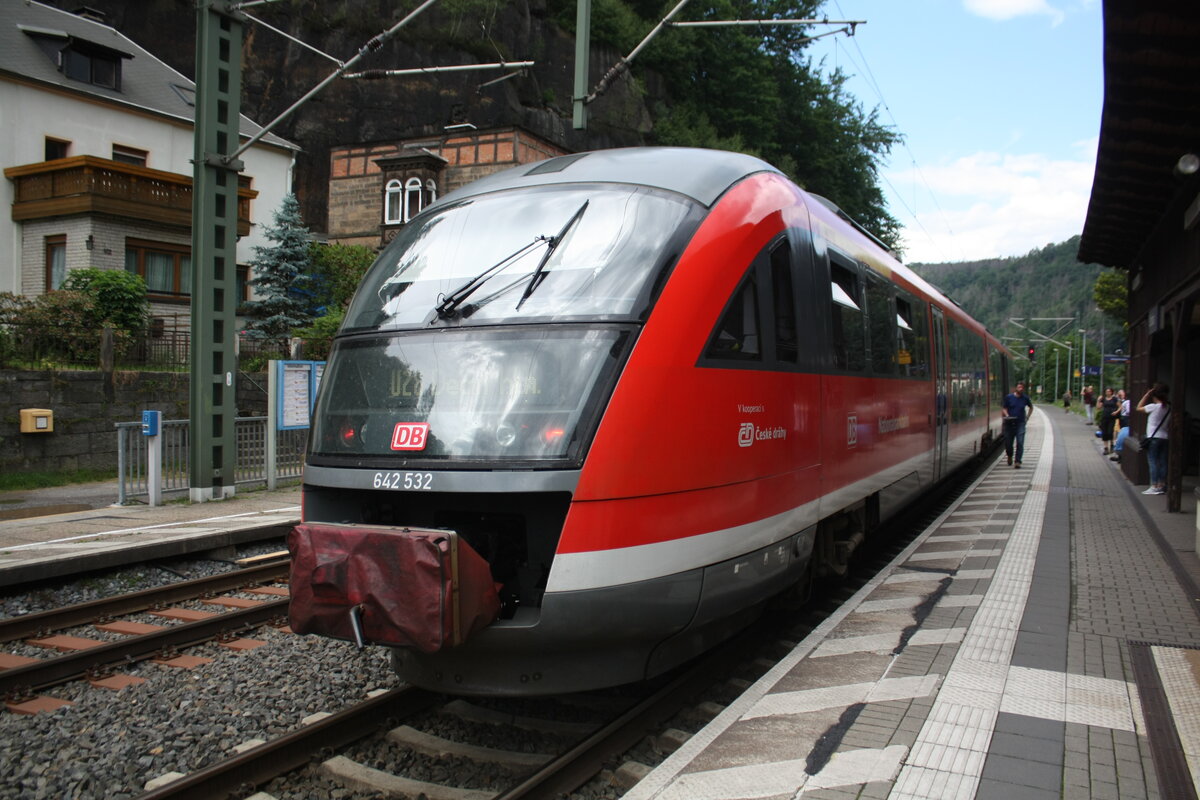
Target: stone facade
[(83, 435), (360, 173)]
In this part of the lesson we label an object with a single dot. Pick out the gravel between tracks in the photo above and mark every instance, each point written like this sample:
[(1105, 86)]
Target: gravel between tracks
[(108, 744)]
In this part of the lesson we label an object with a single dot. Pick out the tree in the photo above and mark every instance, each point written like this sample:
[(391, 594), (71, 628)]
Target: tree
[(756, 92), (1112, 295), (119, 296), (282, 275), (337, 269)]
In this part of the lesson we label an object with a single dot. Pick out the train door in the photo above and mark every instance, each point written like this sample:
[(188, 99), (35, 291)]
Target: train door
[(941, 418)]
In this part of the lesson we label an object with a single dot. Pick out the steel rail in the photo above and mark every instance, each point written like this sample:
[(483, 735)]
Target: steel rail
[(53, 671), (29, 625), (293, 750), (563, 775)]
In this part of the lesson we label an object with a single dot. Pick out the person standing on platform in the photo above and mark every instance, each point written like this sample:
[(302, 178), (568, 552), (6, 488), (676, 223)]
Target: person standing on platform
[(1156, 405), (1067, 402), (1089, 400), (1123, 423), (1016, 410), (1108, 410)]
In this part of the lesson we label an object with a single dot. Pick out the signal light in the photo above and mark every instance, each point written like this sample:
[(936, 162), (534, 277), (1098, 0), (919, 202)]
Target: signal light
[(1032, 352)]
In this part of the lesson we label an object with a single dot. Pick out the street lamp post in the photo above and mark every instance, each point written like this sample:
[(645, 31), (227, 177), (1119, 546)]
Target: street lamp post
[(1082, 361)]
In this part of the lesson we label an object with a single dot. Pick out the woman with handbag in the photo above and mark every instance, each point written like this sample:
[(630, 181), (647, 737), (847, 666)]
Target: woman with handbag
[(1155, 444)]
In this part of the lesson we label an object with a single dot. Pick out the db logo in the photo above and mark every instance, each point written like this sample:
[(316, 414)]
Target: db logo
[(410, 435), (746, 434), (851, 430)]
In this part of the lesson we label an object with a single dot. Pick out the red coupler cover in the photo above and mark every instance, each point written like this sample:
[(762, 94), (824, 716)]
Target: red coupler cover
[(414, 587)]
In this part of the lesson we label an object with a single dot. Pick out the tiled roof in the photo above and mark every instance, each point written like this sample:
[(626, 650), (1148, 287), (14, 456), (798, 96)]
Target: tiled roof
[(147, 84)]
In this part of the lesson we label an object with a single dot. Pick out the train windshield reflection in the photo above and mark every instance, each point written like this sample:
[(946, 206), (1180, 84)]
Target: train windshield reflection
[(516, 393), (498, 245)]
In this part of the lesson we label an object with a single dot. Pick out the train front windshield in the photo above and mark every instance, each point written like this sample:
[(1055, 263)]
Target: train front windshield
[(492, 330), (511, 394), (551, 253)]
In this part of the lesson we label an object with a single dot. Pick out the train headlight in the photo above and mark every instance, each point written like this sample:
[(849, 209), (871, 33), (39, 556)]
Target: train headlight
[(347, 436), (505, 435), (552, 435)]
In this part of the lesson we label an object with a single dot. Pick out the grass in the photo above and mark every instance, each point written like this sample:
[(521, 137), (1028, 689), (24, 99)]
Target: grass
[(11, 481)]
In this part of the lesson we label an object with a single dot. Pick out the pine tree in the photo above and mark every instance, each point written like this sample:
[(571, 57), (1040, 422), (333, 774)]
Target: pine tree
[(280, 274)]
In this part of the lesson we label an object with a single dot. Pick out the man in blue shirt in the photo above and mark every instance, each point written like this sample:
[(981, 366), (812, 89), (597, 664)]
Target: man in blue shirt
[(1016, 410)]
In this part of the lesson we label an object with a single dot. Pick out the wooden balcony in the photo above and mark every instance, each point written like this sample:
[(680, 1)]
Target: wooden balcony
[(91, 185)]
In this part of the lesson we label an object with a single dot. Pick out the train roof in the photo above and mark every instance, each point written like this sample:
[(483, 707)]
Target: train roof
[(703, 175)]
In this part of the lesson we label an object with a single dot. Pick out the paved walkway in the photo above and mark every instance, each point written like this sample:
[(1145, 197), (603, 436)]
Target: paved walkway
[(42, 547), (1035, 643)]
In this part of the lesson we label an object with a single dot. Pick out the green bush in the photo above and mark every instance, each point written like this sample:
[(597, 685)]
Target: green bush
[(318, 337), (119, 297)]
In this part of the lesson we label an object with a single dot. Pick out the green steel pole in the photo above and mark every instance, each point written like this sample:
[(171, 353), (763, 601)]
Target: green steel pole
[(213, 446), (583, 38)]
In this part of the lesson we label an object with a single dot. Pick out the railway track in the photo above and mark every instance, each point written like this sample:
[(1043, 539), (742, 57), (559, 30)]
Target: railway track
[(586, 759), (516, 773), (586, 749), (87, 657)]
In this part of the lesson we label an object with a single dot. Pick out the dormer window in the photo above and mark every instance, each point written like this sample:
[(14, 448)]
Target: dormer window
[(404, 200), (80, 59), (410, 182), (99, 69)]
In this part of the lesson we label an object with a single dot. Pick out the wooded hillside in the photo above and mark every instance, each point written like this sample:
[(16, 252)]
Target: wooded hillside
[(1047, 282)]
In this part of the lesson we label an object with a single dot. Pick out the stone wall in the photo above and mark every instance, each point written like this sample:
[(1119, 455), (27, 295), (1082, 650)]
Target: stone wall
[(86, 405)]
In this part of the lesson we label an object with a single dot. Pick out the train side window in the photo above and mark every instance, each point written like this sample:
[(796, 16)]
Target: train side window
[(737, 336), (786, 338), (912, 337), (882, 325), (848, 339)]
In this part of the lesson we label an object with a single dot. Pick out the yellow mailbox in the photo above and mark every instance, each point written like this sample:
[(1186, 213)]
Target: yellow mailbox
[(37, 420)]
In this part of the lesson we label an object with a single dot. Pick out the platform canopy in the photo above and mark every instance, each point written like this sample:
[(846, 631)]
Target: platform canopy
[(1151, 119)]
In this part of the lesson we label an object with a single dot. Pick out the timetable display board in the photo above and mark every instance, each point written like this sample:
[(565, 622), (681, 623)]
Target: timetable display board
[(297, 383)]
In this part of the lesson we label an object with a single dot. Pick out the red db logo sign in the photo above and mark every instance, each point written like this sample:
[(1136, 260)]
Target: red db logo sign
[(410, 435)]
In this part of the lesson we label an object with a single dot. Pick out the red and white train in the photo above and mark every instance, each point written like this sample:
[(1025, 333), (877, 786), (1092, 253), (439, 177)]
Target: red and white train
[(647, 389)]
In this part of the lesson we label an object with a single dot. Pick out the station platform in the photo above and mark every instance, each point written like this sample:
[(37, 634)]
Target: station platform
[(47, 546), (1038, 641)]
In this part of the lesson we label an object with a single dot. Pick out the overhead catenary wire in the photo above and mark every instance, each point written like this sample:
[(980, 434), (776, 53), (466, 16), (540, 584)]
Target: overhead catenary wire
[(374, 74), (374, 44), (623, 64), (869, 79)]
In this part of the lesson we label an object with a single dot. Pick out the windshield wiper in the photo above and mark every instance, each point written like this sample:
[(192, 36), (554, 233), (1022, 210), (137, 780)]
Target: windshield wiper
[(445, 309), (539, 272)]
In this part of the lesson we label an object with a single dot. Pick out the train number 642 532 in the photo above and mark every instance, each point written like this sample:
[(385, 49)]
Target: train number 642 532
[(410, 481)]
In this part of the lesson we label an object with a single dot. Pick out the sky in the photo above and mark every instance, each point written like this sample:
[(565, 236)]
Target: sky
[(999, 104)]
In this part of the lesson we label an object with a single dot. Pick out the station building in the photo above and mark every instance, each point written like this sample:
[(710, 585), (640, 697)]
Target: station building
[(1144, 214)]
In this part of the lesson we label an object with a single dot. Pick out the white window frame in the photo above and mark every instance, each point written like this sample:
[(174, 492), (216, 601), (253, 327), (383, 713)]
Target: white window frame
[(393, 207)]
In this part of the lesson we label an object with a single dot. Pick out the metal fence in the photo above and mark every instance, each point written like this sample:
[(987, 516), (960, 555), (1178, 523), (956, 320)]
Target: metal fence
[(251, 461), (159, 347)]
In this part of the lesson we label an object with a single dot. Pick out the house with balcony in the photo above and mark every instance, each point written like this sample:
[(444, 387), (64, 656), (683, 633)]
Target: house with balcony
[(96, 143)]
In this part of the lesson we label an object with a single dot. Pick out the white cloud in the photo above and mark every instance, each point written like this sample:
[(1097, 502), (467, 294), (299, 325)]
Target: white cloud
[(1008, 9), (991, 205)]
